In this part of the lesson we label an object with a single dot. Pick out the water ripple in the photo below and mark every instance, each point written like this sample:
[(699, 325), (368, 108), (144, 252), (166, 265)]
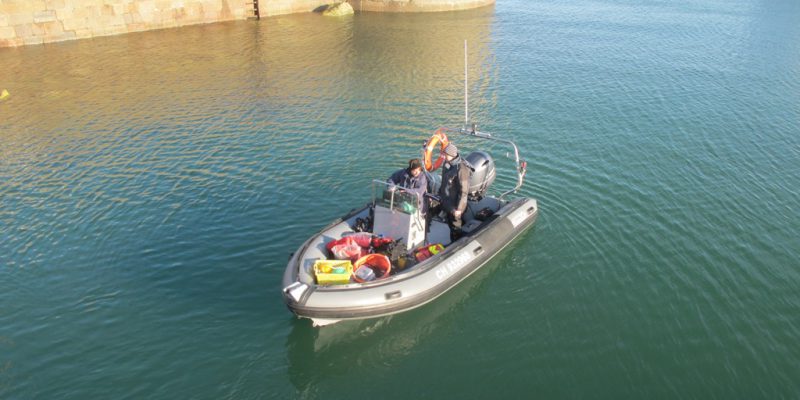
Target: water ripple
[(154, 184)]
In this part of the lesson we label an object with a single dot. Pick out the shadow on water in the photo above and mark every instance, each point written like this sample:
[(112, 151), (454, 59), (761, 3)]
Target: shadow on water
[(316, 355)]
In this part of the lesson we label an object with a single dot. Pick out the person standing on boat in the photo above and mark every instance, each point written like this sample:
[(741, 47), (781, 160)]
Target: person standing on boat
[(413, 180), (454, 188)]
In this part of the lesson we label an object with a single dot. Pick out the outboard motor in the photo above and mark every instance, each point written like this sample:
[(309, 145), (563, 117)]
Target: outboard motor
[(483, 174)]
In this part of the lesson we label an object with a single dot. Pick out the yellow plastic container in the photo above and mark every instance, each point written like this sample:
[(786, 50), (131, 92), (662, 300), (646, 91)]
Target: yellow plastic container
[(333, 272)]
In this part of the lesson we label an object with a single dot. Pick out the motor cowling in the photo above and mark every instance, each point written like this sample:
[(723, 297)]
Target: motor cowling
[(483, 174)]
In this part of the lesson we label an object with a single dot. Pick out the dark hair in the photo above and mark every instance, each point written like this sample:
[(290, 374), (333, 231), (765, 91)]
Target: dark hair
[(414, 163)]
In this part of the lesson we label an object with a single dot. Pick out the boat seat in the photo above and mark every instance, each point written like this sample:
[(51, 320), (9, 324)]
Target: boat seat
[(470, 226), (474, 206), (440, 232)]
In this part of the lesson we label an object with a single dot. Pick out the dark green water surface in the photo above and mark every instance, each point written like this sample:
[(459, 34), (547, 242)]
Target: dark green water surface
[(153, 185)]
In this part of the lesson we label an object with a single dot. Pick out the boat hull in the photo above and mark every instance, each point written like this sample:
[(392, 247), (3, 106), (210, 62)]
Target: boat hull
[(409, 289)]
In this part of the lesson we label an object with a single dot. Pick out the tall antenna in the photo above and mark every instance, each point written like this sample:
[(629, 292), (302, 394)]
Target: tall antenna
[(466, 95)]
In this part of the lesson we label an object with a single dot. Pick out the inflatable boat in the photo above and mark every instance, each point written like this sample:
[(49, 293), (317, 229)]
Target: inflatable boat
[(429, 263)]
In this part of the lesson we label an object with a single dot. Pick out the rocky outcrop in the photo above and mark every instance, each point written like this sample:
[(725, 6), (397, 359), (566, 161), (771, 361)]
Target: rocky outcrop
[(338, 10)]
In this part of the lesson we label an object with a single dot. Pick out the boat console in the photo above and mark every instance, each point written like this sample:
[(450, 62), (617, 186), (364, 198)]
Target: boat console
[(398, 214)]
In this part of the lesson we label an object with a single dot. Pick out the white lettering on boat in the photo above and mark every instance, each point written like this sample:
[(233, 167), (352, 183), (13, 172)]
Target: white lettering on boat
[(517, 217), (453, 264)]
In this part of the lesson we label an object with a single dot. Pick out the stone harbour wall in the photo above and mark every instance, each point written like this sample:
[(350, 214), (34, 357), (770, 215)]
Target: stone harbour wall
[(269, 8), (417, 5), (24, 22), (278, 7)]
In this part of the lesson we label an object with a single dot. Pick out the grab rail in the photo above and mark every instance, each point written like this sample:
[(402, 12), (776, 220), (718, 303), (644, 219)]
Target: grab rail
[(521, 166)]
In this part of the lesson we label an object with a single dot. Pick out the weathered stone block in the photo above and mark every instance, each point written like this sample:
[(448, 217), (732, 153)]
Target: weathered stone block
[(83, 33), (74, 23), (55, 4), (53, 28), (164, 6), (178, 13), (306, 6), (211, 15), (277, 8), (13, 7), (37, 30), (20, 19), (88, 12), (116, 20), (52, 39), (194, 11), (115, 30), (33, 5), (65, 12), (69, 35), (107, 10), (7, 32), (3, 20), (96, 26), (33, 40), (79, 12), (146, 9), (136, 27), (44, 16), (11, 42), (23, 30)]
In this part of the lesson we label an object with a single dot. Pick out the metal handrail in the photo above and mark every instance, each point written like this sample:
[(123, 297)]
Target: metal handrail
[(388, 185), (521, 165)]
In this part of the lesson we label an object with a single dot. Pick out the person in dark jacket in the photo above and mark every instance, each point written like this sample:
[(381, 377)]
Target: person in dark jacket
[(412, 180), (454, 188)]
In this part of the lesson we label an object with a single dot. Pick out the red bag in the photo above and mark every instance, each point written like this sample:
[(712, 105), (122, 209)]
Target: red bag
[(344, 240), (363, 239), (378, 242), (345, 248), (350, 252)]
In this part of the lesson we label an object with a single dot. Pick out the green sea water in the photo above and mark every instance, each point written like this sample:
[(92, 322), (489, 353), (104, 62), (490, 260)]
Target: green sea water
[(153, 185)]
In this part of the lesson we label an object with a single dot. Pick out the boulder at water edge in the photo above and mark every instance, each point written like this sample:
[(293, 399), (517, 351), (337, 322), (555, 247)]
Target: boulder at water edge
[(338, 9)]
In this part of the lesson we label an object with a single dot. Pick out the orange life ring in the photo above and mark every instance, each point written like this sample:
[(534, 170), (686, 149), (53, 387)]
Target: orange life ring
[(439, 138)]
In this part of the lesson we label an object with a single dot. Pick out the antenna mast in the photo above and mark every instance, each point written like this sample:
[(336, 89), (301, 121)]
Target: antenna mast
[(466, 95)]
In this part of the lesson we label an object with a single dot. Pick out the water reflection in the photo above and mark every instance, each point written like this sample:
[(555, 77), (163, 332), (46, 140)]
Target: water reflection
[(331, 352), (407, 64), (211, 105), (133, 153), (253, 75)]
